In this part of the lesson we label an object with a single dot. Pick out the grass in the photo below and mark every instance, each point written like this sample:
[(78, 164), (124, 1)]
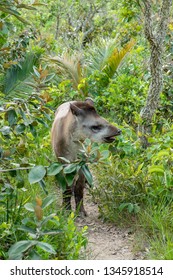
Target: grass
[(156, 226)]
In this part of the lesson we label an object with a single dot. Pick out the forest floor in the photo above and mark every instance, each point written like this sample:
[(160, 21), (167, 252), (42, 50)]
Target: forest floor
[(105, 240)]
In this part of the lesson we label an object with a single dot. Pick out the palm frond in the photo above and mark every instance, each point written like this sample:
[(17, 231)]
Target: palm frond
[(100, 54), (70, 68), (106, 58), (115, 59), (15, 77)]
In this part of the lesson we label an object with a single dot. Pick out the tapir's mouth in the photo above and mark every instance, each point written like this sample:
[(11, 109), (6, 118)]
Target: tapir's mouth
[(110, 139)]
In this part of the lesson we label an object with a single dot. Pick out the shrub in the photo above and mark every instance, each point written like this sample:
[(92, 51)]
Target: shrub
[(136, 178), (51, 236)]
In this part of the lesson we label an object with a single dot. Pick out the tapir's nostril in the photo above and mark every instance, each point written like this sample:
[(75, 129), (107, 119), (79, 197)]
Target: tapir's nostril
[(119, 131)]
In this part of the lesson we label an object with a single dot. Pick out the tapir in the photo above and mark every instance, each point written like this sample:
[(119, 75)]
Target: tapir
[(74, 122)]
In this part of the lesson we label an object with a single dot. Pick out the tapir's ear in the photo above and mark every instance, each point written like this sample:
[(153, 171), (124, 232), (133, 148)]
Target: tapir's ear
[(75, 110), (89, 101)]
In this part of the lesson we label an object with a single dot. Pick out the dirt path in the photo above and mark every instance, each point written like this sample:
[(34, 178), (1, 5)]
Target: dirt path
[(106, 241)]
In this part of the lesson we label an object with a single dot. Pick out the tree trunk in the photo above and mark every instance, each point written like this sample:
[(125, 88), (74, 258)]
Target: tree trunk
[(155, 33)]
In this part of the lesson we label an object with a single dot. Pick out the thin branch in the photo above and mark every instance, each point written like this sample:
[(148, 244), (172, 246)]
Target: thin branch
[(14, 169)]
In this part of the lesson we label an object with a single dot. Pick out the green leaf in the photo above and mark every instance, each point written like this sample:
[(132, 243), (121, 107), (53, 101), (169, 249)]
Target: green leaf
[(33, 130), (46, 247), (130, 207), (105, 154), (20, 180), (36, 174), (70, 168), (48, 218), (27, 229), (163, 153), (64, 159), (43, 186), (156, 169), (51, 232), (20, 247), (48, 200), (29, 207), (61, 180), (54, 168), (33, 255), (122, 206), (20, 128), (87, 174), (28, 220), (12, 117), (5, 130), (49, 77), (15, 77), (36, 72), (70, 178)]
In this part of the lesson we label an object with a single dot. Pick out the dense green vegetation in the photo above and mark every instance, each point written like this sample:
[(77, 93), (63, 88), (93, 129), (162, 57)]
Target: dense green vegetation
[(55, 51)]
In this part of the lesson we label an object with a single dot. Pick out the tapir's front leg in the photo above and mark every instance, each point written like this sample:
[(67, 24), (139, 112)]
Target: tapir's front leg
[(79, 192)]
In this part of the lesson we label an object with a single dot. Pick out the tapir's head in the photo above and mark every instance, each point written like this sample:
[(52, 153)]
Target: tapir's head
[(88, 124)]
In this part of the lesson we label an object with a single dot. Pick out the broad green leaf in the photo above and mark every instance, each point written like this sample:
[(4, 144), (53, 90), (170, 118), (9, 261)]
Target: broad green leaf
[(70, 168), (33, 255), (130, 207), (36, 174), (54, 168), (20, 247), (46, 247), (20, 128), (28, 220), (29, 207), (105, 154), (70, 178), (48, 200), (43, 186), (27, 229), (33, 130), (61, 180), (87, 174), (48, 218), (5, 130), (12, 117), (122, 206)]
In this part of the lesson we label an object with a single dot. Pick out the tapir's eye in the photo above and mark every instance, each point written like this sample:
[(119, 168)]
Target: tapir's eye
[(96, 128)]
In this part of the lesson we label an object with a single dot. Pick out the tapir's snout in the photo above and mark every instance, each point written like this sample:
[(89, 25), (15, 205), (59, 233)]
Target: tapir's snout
[(119, 131), (111, 137)]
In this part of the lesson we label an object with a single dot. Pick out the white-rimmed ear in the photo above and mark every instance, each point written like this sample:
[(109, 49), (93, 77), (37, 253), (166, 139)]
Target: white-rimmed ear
[(75, 110), (90, 101)]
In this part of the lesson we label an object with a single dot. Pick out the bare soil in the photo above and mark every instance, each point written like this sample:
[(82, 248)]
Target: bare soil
[(106, 241)]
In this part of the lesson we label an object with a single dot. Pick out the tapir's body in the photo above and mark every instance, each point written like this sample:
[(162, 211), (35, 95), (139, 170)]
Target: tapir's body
[(74, 122)]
